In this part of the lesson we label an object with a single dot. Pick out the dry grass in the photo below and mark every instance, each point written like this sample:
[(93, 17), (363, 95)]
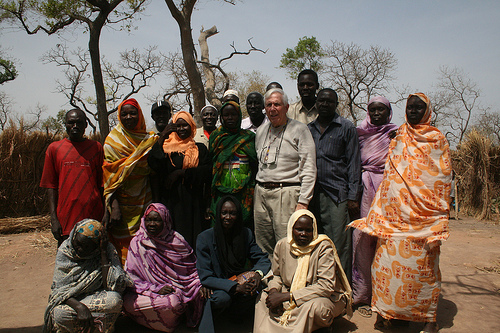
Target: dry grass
[(475, 163), (24, 224)]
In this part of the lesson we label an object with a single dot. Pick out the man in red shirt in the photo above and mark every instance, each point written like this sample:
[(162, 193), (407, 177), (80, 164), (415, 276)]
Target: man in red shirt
[(72, 173)]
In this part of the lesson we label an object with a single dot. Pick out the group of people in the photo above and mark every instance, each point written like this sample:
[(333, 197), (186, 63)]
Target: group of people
[(292, 213)]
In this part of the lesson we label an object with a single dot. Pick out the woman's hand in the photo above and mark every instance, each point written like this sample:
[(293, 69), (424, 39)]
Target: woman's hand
[(392, 134), (173, 177), (205, 292), (166, 290), (254, 283), (83, 315), (171, 127), (116, 213), (276, 299)]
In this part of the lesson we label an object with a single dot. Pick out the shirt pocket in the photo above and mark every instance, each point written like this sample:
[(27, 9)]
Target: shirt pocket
[(333, 148)]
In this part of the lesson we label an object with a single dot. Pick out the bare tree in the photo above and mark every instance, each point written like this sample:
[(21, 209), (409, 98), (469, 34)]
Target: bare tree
[(488, 123), (460, 99), (5, 109), (133, 72), (52, 16), (358, 73), (214, 78)]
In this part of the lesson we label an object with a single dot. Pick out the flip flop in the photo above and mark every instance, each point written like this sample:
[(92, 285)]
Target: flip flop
[(365, 311)]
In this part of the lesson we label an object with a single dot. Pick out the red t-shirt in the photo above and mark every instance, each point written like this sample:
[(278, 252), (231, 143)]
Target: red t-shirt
[(75, 170)]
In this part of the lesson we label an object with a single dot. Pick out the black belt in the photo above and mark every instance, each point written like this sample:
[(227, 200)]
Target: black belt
[(272, 185)]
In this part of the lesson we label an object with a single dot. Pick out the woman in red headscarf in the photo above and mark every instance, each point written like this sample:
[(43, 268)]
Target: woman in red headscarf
[(184, 169), (126, 174)]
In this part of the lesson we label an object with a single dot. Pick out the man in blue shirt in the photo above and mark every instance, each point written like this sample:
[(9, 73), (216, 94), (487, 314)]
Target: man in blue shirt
[(338, 184)]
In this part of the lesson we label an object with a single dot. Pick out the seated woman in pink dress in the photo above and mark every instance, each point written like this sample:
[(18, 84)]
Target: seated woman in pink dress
[(163, 267)]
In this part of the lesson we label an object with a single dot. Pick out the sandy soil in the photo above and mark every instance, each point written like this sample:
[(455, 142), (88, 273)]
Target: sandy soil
[(470, 302)]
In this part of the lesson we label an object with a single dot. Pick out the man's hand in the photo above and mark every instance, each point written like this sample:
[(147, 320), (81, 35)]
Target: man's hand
[(276, 299), (205, 292), (353, 209), (56, 228), (300, 206)]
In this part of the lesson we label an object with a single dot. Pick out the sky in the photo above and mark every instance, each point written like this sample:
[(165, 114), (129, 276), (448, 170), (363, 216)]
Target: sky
[(423, 35)]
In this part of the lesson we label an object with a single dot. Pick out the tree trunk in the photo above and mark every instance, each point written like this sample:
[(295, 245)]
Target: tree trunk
[(194, 75), (205, 58), (95, 59)]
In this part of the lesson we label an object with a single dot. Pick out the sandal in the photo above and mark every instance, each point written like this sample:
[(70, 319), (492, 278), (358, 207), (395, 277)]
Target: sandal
[(365, 311), (382, 324)]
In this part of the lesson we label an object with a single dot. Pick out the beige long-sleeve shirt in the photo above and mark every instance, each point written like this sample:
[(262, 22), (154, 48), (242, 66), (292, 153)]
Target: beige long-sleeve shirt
[(287, 155)]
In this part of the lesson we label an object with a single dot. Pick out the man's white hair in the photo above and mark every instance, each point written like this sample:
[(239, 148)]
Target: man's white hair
[(284, 97)]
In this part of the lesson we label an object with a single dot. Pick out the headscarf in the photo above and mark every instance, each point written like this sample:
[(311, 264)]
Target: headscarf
[(413, 198), (165, 259), (303, 254), (231, 245), (75, 276), (91, 229), (223, 145), (125, 150), (186, 147), (374, 145), (209, 106)]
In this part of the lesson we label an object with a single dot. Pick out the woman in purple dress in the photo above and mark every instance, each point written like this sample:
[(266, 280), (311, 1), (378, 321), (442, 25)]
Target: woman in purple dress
[(163, 267), (375, 133)]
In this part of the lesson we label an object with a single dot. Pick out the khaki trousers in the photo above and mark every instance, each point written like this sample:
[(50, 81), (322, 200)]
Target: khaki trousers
[(272, 209)]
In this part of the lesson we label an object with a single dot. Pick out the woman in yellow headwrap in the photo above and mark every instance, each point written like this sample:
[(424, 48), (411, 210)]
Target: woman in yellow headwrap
[(126, 174), (309, 287)]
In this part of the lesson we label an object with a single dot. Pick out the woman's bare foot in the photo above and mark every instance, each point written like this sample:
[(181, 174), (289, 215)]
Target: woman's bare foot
[(430, 328)]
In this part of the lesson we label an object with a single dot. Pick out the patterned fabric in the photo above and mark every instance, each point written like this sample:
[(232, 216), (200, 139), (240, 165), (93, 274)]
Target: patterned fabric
[(154, 262), (228, 177), (74, 169), (410, 216), (76, 277), (126, 173), (91, 229), (186, 147)]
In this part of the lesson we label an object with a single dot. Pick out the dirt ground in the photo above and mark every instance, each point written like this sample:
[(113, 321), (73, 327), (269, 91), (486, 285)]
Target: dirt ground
[(470, 302)]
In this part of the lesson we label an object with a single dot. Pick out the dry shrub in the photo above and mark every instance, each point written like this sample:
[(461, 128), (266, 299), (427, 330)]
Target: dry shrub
[(22, 155), (476, 165)]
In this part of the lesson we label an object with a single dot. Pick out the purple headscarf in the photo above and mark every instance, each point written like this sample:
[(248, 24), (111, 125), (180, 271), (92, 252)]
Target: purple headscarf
[(165, 259), (374, 145)]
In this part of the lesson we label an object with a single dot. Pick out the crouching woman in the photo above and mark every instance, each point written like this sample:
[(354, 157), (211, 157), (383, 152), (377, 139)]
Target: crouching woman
[(87, 284), (309, 287)]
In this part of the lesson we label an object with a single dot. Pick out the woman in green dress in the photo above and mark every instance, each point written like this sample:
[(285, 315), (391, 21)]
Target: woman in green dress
[(234, 161)]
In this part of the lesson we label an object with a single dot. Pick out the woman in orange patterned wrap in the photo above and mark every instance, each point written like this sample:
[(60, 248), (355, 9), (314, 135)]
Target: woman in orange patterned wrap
[(409, 215)]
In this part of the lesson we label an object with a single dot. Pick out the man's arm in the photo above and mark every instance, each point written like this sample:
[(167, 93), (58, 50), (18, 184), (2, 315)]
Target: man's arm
[(307, 167), (55, 225), (353, 155)]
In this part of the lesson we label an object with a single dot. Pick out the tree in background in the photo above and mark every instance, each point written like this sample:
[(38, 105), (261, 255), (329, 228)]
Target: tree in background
[(52, 16), (8, 71), (357, 73), (307, 54), (458, 98), (133, 72)]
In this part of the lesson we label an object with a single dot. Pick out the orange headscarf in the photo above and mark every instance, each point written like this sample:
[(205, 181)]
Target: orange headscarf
[(186, 147)]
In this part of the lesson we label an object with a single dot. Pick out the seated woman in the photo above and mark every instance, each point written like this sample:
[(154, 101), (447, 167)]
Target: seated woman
[(163, 267), (224, 253), (309, 287), (185, 172), (234, 161), (87, 285), (126, 174)]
